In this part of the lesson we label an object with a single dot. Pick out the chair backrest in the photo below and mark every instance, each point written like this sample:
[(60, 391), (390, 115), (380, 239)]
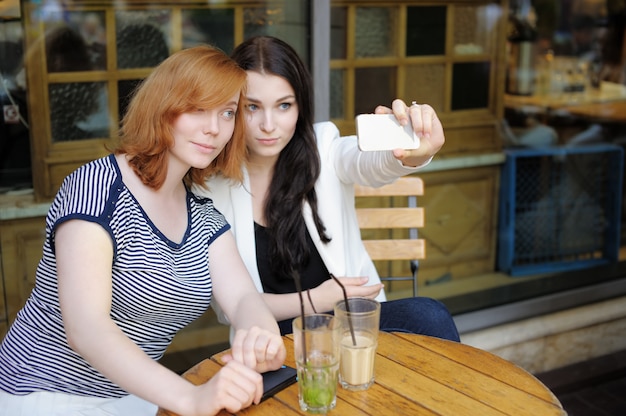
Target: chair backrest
[(391, 212)]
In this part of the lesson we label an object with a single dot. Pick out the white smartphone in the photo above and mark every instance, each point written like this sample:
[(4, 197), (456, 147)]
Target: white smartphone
[(383, 132)]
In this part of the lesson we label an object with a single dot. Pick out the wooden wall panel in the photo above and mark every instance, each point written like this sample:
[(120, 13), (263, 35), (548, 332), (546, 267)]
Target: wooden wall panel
[(461, 223), (21, 243)]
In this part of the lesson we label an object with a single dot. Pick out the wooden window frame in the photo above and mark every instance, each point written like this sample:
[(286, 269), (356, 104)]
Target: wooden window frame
[(52, 160), (480, 124)]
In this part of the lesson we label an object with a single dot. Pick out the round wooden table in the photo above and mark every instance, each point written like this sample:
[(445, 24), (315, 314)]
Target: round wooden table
[(419, 375)]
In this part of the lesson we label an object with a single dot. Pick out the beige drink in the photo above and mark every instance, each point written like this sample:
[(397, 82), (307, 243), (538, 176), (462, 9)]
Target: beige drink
[(357, 362), (360, 318)]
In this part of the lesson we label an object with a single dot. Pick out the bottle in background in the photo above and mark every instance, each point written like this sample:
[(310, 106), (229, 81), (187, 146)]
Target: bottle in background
[(544, 70), (522, 39)]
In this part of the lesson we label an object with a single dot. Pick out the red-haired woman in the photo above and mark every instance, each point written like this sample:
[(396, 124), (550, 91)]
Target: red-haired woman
[(131, 256)]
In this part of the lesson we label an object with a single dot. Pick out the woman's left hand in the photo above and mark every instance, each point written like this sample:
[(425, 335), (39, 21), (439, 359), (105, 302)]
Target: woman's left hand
[(426, 126), (257, 348)]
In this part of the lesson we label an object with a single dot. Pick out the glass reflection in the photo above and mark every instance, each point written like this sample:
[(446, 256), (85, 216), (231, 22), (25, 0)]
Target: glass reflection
[(258, 19), (213, 26), (338, 33), (66, 51), (473, 28), (337, 93), (141, 38), (375, 31), (15, 148), (76, 41), (289, 22), (78, 110), (125, 90)]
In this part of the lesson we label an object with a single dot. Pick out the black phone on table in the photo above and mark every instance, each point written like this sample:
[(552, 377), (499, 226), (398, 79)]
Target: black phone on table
[(277, 380)]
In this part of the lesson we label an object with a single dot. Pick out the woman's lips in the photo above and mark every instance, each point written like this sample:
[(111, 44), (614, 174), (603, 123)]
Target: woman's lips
[(205, 148), (268, 141)]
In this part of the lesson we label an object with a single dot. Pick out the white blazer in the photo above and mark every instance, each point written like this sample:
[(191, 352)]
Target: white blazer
[(343, 165)]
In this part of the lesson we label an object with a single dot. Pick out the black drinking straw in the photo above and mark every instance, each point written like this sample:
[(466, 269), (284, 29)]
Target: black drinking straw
[(345, 298), (298, 282)]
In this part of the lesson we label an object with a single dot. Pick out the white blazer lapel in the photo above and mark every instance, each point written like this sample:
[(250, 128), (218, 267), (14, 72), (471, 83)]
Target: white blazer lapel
[(243, 224), (328, 252)]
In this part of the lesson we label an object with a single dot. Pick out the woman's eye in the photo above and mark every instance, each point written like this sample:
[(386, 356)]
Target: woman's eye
[(229, 114), (252, 107), (285, 106)]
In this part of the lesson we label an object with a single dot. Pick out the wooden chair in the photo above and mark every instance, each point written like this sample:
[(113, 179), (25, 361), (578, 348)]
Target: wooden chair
[(392, 211)]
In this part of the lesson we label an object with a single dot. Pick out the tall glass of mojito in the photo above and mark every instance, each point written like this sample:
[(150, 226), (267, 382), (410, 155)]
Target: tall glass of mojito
[(316, 347)]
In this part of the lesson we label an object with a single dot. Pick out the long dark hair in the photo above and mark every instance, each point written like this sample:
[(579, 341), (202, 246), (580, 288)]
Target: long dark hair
[(298, 165)]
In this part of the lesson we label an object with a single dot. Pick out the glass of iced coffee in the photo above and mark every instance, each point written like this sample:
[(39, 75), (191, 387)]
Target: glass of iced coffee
[(359, 318)]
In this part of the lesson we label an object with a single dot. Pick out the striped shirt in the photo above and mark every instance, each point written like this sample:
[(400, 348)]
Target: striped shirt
[(159, 286)]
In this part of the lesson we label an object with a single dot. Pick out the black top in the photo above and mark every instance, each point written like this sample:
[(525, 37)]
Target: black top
[(312, 274)]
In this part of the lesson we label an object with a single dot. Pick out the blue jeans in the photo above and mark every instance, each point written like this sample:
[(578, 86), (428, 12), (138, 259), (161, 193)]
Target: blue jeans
[(420, 315)]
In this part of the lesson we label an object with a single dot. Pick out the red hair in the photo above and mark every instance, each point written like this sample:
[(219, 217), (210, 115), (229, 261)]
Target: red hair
[(198, 77)]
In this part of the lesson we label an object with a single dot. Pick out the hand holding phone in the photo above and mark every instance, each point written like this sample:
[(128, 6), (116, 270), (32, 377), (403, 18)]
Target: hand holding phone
[(384, 132)]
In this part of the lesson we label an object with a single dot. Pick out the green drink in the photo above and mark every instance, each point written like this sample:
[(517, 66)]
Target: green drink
[(317, 383), (316, 348)]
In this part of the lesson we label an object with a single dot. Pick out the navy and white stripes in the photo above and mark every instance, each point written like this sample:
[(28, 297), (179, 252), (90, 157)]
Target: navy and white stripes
[(159, 286)]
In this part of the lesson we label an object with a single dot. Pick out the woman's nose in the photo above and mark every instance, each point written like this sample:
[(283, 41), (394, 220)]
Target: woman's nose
[(211, 125), (267, 123)]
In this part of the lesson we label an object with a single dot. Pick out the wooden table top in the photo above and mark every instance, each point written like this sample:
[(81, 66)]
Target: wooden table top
[(606, 104), (608, 92), (419, 375), (611, 112)]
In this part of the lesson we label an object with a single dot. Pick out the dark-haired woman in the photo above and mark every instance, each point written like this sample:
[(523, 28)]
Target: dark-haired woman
[(294, 214)]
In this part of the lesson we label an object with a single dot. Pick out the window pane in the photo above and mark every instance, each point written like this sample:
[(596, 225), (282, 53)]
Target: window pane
[(15, 164), (78, 110), (141, 38), (125, 90), (116, 43), (93, 29), (375, 31), (15, 148), (424, 84), (337, 77), (213, 26), (373, 86), (288, 21), (338, 33), (66, 51), (426, 30), (473, 27), (75, 41), (470, 85)]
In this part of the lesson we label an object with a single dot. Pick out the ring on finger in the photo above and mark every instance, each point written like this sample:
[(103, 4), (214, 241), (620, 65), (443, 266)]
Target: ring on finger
[(413, 103)]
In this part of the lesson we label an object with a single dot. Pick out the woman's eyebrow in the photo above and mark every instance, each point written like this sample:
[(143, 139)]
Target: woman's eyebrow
[(286, 97)]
